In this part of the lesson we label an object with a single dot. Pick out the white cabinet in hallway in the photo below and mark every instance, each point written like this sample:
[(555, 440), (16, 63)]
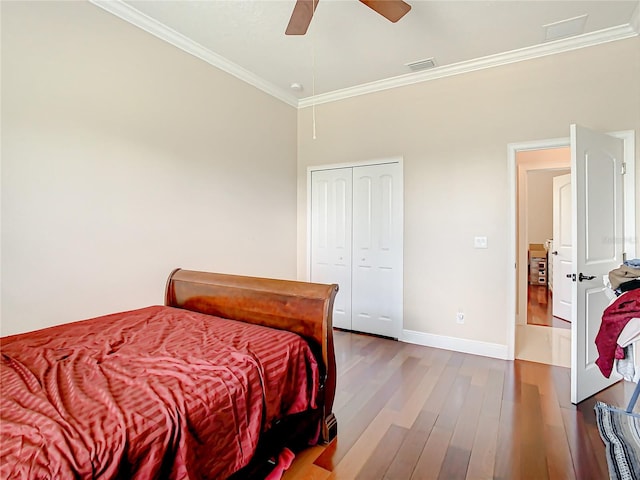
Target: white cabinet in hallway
[(356, 241)]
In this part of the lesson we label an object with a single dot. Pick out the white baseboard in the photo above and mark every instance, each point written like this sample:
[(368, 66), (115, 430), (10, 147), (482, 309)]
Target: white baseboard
[(474, 347)]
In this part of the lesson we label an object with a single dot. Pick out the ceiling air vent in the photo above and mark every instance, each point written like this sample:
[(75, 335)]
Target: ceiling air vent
[(425, 64), (565, 28)]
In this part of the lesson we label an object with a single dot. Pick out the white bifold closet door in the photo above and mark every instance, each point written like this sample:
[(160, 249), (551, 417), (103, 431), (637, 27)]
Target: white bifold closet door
[(331, 202), (356, 241)]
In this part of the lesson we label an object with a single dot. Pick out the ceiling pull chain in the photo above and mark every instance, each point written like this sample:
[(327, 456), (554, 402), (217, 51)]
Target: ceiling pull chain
[(313, 78)]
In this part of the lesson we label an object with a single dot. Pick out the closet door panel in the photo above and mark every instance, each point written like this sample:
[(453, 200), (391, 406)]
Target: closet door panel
[(377, 250), (331, 239)]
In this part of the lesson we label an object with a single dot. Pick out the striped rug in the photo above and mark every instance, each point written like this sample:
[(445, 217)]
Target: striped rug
[(620, 432)]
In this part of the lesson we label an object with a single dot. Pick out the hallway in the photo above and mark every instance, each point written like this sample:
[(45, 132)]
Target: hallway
[(545, 338), (539, 308)]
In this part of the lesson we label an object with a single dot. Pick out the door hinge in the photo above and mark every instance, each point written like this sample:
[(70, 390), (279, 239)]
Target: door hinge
[(624, 256), (624, 168)]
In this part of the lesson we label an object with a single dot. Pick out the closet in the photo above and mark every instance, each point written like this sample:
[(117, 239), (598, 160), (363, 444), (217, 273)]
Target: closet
[(356, 237)]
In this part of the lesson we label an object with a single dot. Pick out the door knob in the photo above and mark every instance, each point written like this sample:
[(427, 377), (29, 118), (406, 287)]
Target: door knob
[(555, 252), (582, 277)]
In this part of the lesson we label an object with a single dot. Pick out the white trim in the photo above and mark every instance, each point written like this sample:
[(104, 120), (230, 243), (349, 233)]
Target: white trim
[(363, 163), (130, 14), (136, 17), (628, 136), (629, 180), (550, 48), (474, 347)]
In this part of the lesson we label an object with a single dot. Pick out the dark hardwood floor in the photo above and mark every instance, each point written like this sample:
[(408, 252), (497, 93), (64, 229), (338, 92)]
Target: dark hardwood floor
[(411, 412), (539, 311)]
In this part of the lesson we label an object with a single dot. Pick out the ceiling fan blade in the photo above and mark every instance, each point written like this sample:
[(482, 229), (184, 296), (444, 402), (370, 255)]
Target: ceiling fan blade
[(392, 10), (301, 17)]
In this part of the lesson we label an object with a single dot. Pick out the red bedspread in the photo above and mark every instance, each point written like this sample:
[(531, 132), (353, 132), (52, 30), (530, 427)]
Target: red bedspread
[(152, 393)]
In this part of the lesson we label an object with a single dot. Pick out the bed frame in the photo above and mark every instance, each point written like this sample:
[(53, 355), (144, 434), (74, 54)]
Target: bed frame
[(300, 307)]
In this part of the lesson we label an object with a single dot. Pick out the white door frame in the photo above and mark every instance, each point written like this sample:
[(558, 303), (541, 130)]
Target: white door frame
[(628, 136)]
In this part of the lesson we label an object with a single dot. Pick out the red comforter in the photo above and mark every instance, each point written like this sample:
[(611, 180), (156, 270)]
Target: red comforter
[(152, 393)]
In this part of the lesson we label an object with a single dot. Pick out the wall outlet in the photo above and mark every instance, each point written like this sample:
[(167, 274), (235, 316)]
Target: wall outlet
[(480, 242), (460, 317)]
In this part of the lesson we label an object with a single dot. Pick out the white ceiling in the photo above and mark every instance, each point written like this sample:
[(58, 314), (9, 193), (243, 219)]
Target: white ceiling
[(349, 49)]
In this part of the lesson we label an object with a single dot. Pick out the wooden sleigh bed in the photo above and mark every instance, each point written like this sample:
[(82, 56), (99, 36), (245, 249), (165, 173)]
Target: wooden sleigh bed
[(197, 388)]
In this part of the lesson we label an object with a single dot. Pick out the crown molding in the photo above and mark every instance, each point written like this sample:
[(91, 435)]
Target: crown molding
[(148, 24), (528, 53), (152, 26)]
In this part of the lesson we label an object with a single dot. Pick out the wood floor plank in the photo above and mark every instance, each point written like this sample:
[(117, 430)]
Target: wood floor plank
[(407, 456), (438, 357), (378, 463), (583, 454), (407, 387), (439, 395), (432, 456), (365, 413), (551, 414), (350, 464), (533, 464), (507, 464), (467, 423), (586, 410), (406, 411), (369, 382), (483, 450), (480, 375), (453, 402), (455, 463), (558, 454), (342, 399), (351, 379), (492, 396), (457, 359), (410, 411)]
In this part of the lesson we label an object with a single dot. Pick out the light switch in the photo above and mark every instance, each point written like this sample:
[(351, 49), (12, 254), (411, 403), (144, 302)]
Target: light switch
[(480, 242)]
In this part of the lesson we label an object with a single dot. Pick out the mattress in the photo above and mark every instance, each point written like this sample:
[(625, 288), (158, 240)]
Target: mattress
[(158, 392)]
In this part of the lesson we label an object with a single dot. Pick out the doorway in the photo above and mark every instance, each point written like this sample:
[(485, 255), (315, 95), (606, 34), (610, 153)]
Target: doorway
[(515, 296), (540, 337)]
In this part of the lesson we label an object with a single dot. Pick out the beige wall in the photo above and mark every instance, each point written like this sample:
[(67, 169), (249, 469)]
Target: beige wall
[(540, 204), (123, 158), (453, 135)]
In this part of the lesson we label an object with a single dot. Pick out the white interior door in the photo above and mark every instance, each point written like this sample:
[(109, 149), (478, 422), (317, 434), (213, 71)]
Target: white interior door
[(331, 210), (377, 249), (598, 242), (562, 253)]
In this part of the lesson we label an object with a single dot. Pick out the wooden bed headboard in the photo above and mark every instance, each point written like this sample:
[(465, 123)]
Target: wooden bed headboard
[(300, 307)]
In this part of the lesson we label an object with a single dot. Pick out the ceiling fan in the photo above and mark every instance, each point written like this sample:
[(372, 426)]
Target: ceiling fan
[(392, 10)]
